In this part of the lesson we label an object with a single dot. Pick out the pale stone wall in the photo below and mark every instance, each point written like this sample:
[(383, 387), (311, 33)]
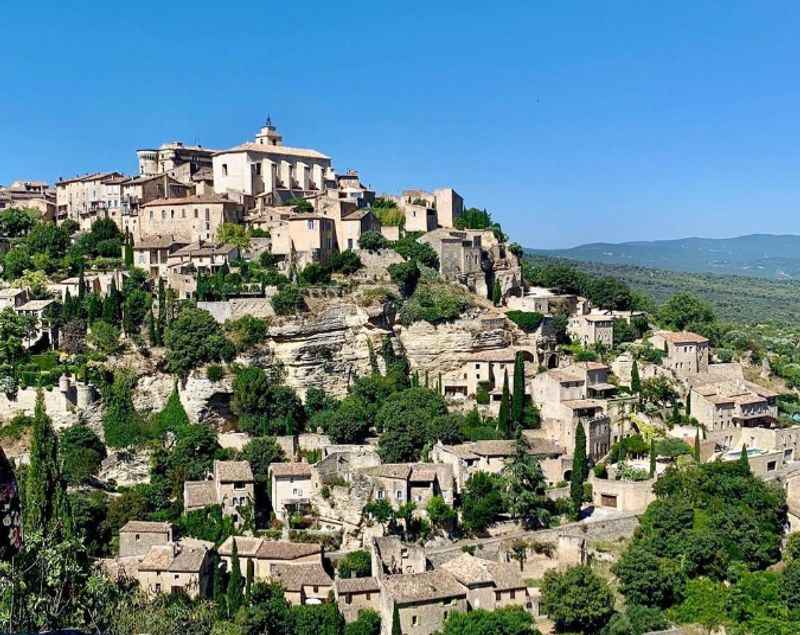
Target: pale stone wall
[(191, 219), (133, 544), (627, 496), (153, 582)]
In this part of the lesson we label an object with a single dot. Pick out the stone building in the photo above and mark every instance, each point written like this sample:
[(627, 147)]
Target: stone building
[(350, 189), (390, 556), (267, 166), (685, 353), (459, 252), (266, 554), (180, 161), (303, 239), (399, 483), (13, 298), (231, 485), (547, 302), (193, 218), (137, 537), (356, 594), (423, 601), (290, 489), (35, 195), (183, 566), (82, 198), (592, 329), (152, 254), (201, 255), (624, 496), (486, 369), (491, 585), (303, 584)]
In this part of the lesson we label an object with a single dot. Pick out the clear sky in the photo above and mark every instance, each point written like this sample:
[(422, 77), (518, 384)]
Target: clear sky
[(572, 122)]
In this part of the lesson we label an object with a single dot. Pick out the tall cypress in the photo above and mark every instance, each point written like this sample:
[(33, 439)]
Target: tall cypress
[(218, 585), (81, 286), (689, 404), (497, 293), (249, 580), (162, 310), (111, 305), (396, 630), (652, 458), (234, 595), (152, 333), (518, 397), (579, 470), (504, 416), (697, 445), (373, 359), (46, 505), (636, 382), (744, 463), (129, 251)]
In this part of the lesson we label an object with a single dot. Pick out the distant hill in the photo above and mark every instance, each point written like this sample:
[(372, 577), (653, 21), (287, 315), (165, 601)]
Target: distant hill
[(734, 298), (776, 257)]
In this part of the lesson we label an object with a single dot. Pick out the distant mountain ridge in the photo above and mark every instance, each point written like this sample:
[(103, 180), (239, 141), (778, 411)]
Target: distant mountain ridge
[(772, 256)]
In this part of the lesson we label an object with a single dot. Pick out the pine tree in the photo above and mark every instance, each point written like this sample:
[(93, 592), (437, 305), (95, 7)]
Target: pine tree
[(396, 630), (744, 462), (697, 445), (579, 471), (497, 293), (652, 458), (636, 382), (504, 416), (46, 504), (518, 398), (234, 595)]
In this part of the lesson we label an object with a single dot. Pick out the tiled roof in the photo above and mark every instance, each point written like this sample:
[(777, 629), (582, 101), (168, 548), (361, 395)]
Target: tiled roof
[(35, 305), (281, 550), (245, 546), (229, 471), (294, 577), (145, 527), (469, 570), (203, 199), (683, 337), (422, 587), (159, 242), (500, 447), (277, 150), (428, 472), (578, 404), (183, 557), (199, 494), (357, 585), (290, 469), (390, 470)]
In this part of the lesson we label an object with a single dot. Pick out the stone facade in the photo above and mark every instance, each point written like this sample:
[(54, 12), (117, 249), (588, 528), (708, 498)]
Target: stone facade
[(685, 353)]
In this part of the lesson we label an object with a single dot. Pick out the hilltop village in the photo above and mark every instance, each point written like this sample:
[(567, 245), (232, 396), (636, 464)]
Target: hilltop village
[(245, 385)]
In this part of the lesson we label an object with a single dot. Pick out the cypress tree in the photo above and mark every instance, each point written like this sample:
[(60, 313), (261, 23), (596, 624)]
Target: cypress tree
[(387, 352), (234, 595), (697, 445), (415, 379), (579, 468), (111, 305), (439, 384), (69, 307), (636, 382), (373, 359), (396, 630), (504, 416), (689, 404), (518, 398), (744, 463), (81, 286), (46, 505), (218, 585), (162, 310), (652, 458), (497, 293), (151, 329), (427, 379), (250, 575), (129, 251)]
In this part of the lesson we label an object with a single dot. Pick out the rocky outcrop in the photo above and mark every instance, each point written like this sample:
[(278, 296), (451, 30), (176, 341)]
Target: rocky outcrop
[(126, 467), (207, 401)]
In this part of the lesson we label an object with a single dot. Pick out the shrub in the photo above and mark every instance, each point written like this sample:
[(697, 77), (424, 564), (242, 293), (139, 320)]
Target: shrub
[(372, 241), (356, 564), (434, 302), (528, 321), (246, 332), (81, 451), (314, 273), (215, 372), (411, 249), (405, 275), (345, 262), (288, 301)]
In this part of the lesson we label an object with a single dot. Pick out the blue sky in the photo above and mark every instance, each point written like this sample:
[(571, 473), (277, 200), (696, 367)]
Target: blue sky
[(572, 122)]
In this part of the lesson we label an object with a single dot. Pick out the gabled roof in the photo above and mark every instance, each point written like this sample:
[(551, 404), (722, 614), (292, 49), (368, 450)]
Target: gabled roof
[(290, 469), (357, 585), (264, 148), (199, 494), (683, 337), (230, 471), (145, 527), (423, 587), (202, 199), (269, 549), (293, 577), (390, 470)]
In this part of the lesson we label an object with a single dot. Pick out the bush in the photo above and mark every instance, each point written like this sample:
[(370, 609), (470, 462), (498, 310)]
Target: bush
[(194, 338), (246, 332), (81, 451), (345, 262), (215, 372), (372, 241), (356, 564), (577, 600), (288, 301), (314, 274), (434, 302), (411, 249), (528, 321), (405, 275)]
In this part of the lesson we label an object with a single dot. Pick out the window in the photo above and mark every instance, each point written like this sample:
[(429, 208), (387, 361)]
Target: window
[(195, 212), (163, 214), (380, 494), (151, 214), (158, 588), (224, 169), (348, 599), (310, 224), (137, 537), (398, 495), (238, 485), (771, 466), (316, 589), (413, 620), (513, 594), (172, 213), (183, 213), (208, 214)]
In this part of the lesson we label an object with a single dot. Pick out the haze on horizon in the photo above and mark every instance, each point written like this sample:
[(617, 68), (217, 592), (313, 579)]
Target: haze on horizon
[(572, 123)]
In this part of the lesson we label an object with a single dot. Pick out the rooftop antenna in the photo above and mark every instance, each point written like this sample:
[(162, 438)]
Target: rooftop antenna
[(269, 121)]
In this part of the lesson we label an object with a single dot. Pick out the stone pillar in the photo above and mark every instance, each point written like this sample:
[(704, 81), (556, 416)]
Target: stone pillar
[(85, 395)]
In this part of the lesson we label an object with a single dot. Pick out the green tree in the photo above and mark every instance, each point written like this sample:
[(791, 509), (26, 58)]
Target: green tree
[(379, 510), (233, 234), (81, 451), (647, 580), (122, 425), (579, 471), (636, 383), (506, 621), (396, 628), (288, 301), (194, 338), (321, 619), (577, 600), (356, 564), (104, 337), (526, 498), (45, 499), (697, 445), (744, 461), (441, 515), (518, 400), (368, 623), (349, 422), (173, 417), (482, 501), (684, 309), (234, 596), (637, 620), (404, 421), (504, 416), (497, 293)]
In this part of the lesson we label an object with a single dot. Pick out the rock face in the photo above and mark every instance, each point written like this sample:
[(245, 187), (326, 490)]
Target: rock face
[(206, 401), (329, 350), (126, 468), (442, 348)]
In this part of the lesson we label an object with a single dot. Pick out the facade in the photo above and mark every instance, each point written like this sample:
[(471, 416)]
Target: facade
[(350, 189), (491, 585), (399, 483), (35, 195), (685, 353), (267, 166), (303, 584), (152, 254), (138, 536), (423, 601), (356, 594), (485, 370), (304, 238), (592, 329), (177, 567), (449, 206), (193, 218), (13, 298), (546, 302), (290, 488), (83, 198), (231, 485), (267, 554), (201, 255), (177, 160), (459, 252), (724, 407)]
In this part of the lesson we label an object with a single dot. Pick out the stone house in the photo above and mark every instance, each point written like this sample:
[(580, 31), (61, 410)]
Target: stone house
[(176, 159), (724, 407), (81, 198), (182, 566), (423, 601), (38, 309), (193, 218), (491, 585), (685, 353), (486, 369), (592, 329), (266, 554), (13, 298), (304, 238), (152, 254), (350, 189), (231, 485), (266, 166), (141, 190), (624, 496), (304, 584), (547, 302), (349, 220), (400, 483), (136, 537), (390, 556), (582, 380), (459, 252), (356, 594), (203, 255), (291, 489)]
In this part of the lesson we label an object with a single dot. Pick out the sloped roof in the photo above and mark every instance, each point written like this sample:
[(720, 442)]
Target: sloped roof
[(422, 587), (229, 471), (290, 469), (357, 585), (264, 148), (682, 337), (390, 470), (145, 527), (294, 577), (199, 494)]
